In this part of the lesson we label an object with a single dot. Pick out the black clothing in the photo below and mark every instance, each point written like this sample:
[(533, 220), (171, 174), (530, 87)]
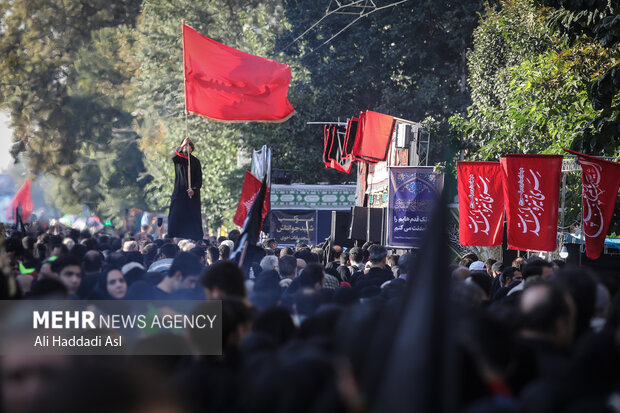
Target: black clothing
[(344, 273), (374, 276), (184, 218), (332, 265)]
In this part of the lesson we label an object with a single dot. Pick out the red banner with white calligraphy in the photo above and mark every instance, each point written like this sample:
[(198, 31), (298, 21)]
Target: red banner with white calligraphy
[(600, 180), (481, 203), (531, 194)]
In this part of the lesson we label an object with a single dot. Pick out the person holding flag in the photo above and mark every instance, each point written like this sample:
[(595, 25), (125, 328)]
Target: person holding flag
[(184, 217)]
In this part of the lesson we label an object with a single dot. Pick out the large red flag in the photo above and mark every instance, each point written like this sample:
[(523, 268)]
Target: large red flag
[(601, 180), (531, 188), (251, 186), (481, 203), (23, 200), (374, 134), (227, 84)]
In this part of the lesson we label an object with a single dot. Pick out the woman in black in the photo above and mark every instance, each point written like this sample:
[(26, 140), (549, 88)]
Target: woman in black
[(184, 218)]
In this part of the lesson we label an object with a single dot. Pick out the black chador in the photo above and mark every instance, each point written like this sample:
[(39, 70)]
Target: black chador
[(184, 218)]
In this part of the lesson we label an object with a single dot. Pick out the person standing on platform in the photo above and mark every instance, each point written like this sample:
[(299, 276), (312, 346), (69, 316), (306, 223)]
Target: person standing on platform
[(184, 217)]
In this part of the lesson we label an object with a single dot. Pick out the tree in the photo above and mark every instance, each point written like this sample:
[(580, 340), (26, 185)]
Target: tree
[(530, 88), (59, 86)]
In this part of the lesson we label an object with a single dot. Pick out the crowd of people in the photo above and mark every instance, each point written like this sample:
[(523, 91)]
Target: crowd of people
[(312, 328)]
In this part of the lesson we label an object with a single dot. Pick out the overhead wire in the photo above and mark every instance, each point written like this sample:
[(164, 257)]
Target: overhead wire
[(335, 11)]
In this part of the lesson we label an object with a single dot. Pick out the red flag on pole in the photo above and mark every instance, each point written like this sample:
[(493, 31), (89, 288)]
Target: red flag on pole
[(21, 200), (531, 188), (227, 84), (600, 180), (251, 186), (481, 203)]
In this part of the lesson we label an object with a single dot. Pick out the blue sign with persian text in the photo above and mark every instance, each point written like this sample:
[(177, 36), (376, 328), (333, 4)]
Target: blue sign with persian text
[(289, 227), (413, 192)]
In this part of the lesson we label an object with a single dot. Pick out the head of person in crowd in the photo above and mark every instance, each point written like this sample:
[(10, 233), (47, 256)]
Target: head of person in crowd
[(58, 249), (69, 272), (536, 266), (183, 273), (40, 251), (356, 256), (301, 264), (510, 274), (200, 253), (213, 255), (270, 243), (558, 264), (548, 314), (286, 251), (488, 264), (234, 236), (90, 244), (392, 260), (111, 284), (336, 252), (187, 247), (477, 266), (306, 255), (269, 262), (518, 263), (130, 245), (344, 258), (312, 277), (46, 270), (231, 247), (48, 288), (471, 256), (581, 285), (378, 256), (496, 269), (223, 279), (68, 242), (149, 253), (405, 264), (460, 273), (466, 262), (482, 280), (92, 263), (288, 266), (168, 251)]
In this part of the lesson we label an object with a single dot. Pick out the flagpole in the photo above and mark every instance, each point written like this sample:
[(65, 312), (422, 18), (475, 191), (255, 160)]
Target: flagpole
[(189, 169)]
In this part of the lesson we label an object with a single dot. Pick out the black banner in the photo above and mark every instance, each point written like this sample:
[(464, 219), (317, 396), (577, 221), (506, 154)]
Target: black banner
[(289, 227)]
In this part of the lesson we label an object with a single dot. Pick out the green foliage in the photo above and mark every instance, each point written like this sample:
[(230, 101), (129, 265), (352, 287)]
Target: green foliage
[(530, 89), (595, 22), (63, 85)]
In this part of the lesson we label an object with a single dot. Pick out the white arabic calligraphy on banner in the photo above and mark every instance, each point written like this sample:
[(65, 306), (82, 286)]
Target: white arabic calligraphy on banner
[(592, 214), (481, 206), (531, 205)]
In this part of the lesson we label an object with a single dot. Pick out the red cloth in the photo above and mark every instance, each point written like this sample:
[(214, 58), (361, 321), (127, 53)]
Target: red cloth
[(374, 135), (600, 180), (227, 84), (350, 135), (23, 200), (531, 189), (335, 141), (251, 186), (481, 203)]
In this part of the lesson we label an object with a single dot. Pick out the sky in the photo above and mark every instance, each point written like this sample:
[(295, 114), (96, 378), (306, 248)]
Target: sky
[(5, 142)]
